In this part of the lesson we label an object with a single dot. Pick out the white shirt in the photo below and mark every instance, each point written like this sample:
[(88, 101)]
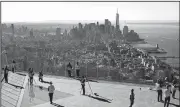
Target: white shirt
[(77, 67), (173, 88), (51, 89), (158, 86), (167, 92), (152, 67)]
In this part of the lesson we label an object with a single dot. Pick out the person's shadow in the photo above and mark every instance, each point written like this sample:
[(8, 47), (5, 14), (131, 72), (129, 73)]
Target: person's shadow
[(57, 105), (98, 98), (172, 104), (47, 82)]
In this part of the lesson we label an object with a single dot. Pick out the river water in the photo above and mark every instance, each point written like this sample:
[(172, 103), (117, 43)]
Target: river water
[(165, 35)]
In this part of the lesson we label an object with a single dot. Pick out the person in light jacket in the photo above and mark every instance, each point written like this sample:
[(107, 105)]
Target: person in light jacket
[(167, 94), (77, 69), (51, 92)]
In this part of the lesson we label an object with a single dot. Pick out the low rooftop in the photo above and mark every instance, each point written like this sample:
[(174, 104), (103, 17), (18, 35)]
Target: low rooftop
[(68, 91)]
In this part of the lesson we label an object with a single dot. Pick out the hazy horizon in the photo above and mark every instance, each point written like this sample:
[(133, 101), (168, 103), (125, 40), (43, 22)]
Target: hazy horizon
[(93, 21), (92, 11)]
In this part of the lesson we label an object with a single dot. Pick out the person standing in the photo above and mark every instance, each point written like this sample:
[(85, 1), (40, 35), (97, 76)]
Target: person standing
[(69, 68), (51, 92), (173, 90), (77, 69), (167, 94), (31, 76), (159, 91), (83, 80), (132, 97), (6, 70), (13, 66), (41, 76)]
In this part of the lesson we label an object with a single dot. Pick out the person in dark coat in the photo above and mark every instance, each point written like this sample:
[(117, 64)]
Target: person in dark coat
[(13, 66), (40, 76), (6, 70), (69, 68), (132, 97), (31, 76), (83, 80)]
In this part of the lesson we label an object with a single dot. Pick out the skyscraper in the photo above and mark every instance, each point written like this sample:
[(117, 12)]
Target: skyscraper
[(106, 25), (58, 31), (125, 30), (12, 26), (12, 36), (80, 26), (31, 33), (117, 20)]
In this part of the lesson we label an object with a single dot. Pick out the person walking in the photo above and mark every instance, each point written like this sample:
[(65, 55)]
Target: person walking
[(83, 80), (6, 70), (51, 92), (13, 66), (77, 69), (167, 94), (173, 91), (69, 68), (132, 97), (41, 76), (159, 91), (31, 76)]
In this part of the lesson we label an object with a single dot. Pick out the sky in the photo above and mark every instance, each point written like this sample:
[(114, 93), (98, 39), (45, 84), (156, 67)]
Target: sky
[(87, 11)]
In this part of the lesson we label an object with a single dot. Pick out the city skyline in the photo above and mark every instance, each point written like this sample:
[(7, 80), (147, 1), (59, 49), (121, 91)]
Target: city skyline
[(86, 12)]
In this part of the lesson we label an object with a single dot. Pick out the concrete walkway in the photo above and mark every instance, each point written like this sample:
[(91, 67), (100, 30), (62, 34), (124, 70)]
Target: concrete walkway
[(67, 94), (12, 92)]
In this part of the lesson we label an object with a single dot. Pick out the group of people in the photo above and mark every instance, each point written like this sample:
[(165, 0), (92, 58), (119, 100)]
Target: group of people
[(77, 69), (170, 89), (51, 88)]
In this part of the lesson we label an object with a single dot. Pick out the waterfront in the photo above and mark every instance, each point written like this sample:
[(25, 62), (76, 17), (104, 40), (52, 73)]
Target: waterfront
[(165, 35)]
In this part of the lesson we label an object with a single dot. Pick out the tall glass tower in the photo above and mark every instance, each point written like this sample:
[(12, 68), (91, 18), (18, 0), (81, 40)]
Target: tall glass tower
[(117, 20)]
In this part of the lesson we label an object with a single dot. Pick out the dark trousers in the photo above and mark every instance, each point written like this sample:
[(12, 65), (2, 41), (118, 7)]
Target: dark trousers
[(6, 78), (13, 70), (131, 103), (69, 73), (166, 102), (83, 88), (31, 80), (159, 98), (51, 97), (77, 72), (173, 93)]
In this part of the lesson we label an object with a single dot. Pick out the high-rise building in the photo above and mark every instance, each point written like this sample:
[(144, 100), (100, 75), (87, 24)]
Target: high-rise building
[(117, 20), (109, 27), (31, 33), (125, 30), (102, 28), (80, 26), (106, 25), (12, 27), (58, 31), (97, 23)]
